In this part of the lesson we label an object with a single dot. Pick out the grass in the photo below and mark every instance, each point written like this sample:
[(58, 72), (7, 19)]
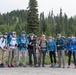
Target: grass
[(47, 59)]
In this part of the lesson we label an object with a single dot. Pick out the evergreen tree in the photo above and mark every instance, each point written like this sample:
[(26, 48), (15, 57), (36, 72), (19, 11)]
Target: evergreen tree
[(66, 28), (32, 17), (57, 19), (42, 23), (18, 29), (61, 21), (53, 23)]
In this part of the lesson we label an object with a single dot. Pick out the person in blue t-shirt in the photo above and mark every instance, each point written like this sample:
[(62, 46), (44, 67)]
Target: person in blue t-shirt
[(12, 45)]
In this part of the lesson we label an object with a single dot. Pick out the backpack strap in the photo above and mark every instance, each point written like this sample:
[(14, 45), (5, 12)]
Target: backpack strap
[(41, 42), (2, 40)]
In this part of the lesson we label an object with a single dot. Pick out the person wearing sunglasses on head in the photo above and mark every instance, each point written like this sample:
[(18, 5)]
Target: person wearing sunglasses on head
[(12, 43)]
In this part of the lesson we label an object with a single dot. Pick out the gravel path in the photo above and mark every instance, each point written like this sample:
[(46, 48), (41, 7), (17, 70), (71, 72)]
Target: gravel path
[(37, 71)]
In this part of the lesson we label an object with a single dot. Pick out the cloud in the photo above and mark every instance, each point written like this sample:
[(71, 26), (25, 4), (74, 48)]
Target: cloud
[(68, 6), (9, 5)]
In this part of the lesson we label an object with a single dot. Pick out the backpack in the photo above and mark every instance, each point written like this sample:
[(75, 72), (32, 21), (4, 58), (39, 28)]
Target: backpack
[(43, 43), (65, 41), (2, 42)]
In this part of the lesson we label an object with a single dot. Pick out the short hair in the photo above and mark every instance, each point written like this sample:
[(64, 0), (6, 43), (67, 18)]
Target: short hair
[(13, 32)]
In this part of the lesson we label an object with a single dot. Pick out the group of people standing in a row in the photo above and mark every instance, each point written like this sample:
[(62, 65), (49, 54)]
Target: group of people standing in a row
[(58, 47), (17, 47)]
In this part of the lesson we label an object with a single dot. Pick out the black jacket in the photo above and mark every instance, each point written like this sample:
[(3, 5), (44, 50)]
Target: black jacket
[(32, 44)]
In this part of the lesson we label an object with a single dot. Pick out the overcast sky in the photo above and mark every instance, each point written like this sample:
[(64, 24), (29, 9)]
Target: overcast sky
[(68, 6)]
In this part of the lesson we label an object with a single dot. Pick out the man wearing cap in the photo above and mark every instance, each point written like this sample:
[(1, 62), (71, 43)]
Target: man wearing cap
[(61, 52), (22, 47), (3, 47), (12, 43)]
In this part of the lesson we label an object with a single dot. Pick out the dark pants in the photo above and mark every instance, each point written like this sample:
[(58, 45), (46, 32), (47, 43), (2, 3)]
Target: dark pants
[(31, 51), (42, 55), (69, 57), (52, 55)]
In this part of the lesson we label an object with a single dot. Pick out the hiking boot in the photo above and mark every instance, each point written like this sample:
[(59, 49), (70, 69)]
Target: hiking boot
[(35, 66), (30, 65), (51, 65), (63, 66), (59, 66), (43, 66), (9, 65), (68, 67), (17, 65), (38, 64), (24, 65), (2, 65), (54, 66), (12, 65)]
